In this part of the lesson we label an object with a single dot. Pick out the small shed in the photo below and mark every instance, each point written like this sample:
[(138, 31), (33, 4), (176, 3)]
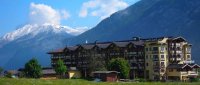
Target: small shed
[(108, 76), (48, 73)]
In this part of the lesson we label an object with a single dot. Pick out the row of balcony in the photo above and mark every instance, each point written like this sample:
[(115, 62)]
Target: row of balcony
[(192, 73)]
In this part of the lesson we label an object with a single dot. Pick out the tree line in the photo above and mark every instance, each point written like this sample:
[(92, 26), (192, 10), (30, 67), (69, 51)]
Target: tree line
[(32, 69)]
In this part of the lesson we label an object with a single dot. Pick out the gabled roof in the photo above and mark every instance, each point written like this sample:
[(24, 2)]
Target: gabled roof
[(103, 45), (121, 44), (48, 71), (179, 39), (57, 51), (182, 66), (195, 66), (72, 48), (178, 66), (138, 42), (88, 46)]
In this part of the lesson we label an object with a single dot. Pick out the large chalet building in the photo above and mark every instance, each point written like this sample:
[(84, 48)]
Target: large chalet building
[(152, 58)]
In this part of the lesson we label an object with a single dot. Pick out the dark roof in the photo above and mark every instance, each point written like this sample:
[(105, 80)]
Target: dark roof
[(105, 72), (48, 71), (57, 51), (138, 42), (121, 44), (72, 48), (194, 65), (181, 66), (104, 45), (88, 46)]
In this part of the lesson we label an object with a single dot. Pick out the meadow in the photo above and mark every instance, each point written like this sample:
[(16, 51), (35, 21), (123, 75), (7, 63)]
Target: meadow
[(7, 81)]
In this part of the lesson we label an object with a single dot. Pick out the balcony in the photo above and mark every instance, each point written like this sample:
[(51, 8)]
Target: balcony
[(179, 52), (155, 59), (184, 73), (155, 52), (162, 66), (156, 67), (189, 73), (192, 73)]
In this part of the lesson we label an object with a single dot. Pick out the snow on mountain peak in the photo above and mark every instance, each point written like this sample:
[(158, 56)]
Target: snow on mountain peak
[(34, 29)]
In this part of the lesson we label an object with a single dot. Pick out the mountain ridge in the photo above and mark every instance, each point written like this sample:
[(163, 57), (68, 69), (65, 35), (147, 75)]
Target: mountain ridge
[(150, 18), (33, 40)]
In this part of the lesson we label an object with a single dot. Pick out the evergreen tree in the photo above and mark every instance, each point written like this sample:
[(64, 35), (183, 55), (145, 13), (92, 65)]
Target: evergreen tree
[(1, 70), (60, 68), (120, 65), (33, 69)]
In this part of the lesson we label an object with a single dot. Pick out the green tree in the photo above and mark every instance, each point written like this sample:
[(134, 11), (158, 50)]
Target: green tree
[(120, 65), (60, 68), (33, 69), (1, 70)]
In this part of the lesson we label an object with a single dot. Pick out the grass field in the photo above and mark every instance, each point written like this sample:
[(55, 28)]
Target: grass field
[(6, 81)]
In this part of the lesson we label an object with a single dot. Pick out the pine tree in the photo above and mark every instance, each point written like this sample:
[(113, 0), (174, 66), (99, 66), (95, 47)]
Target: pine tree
[(33, 69)]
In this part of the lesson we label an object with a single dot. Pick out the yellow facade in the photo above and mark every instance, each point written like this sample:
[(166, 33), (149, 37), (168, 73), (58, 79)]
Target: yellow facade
[(157, 59), (74, 74)]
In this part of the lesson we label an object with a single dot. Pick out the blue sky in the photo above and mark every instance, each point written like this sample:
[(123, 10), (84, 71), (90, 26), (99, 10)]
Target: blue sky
[(73, 13)]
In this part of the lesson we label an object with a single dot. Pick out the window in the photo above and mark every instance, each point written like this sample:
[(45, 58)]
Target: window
[(162, 70), (188, 49), (147, 64), (188, 57), (162, 57), (146, 56), (162, 49), (170, 70), (155, 57), (162, 64), (155, 48), (146, 49)]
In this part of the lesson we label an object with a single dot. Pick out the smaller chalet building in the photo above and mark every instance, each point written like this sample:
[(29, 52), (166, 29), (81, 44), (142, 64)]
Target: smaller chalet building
[(109, 76)]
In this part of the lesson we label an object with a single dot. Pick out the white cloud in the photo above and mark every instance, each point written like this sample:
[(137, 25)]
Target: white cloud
[(65, 14), (41, 14), (101, 8)]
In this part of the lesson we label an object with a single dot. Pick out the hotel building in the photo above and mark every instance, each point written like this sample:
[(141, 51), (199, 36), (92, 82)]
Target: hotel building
[(153, 58)]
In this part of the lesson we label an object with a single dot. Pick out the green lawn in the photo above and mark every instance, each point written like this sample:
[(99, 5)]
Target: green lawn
[(6, 81)]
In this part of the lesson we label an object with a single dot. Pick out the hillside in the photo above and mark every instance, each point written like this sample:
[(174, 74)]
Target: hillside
[(150, 18)]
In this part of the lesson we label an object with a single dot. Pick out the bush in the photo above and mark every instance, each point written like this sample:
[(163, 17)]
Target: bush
[(194, 79), (8, 75)]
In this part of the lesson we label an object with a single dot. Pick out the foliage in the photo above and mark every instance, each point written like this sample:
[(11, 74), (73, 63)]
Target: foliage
[(8, 75), (60, 68), (33, 69), (120, 65), (1, 70), (194, 79)]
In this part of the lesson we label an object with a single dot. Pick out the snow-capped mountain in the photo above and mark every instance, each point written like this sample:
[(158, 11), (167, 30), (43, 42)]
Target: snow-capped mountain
[(36, 29), (33, 40)]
